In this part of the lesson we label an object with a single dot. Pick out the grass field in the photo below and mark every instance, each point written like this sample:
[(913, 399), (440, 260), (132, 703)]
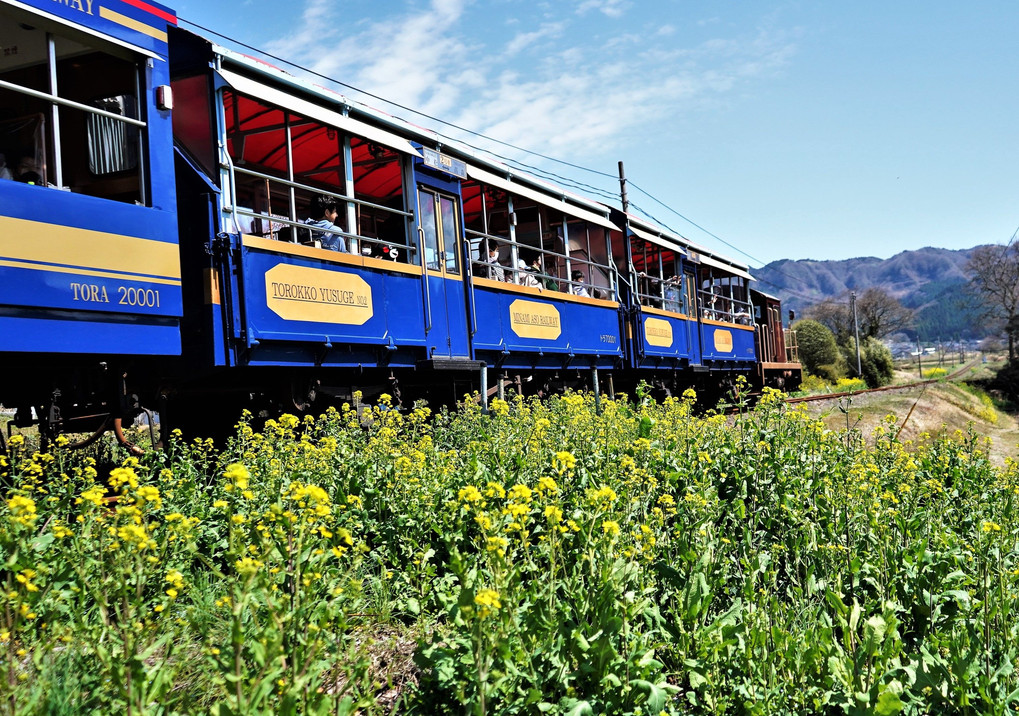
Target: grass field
[(541, 559)]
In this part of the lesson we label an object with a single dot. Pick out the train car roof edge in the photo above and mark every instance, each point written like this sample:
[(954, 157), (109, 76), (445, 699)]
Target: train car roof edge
[(420, 133), (105, 37)]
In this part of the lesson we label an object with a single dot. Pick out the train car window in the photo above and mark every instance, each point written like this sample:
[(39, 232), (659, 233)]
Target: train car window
[(192, 119), (723, 297), (91, 141), (378, 187), (450, 232), (589, 254), (280, 161), (486, 220), (689, 294), (256, 137), (551, 243), (429, 229)]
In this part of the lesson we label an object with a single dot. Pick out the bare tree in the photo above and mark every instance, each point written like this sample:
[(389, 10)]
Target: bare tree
[(878, 313), (994, 278), (834, 314)]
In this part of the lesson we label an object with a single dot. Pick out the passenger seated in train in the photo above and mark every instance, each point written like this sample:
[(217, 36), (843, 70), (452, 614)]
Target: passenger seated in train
[(323, 214), (526, 276), (672, 302), (579, 288), (538, 269), (28, 171), (494, 269)]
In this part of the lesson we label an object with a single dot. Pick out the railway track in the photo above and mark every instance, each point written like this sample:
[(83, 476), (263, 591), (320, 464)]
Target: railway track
[(883, 389)]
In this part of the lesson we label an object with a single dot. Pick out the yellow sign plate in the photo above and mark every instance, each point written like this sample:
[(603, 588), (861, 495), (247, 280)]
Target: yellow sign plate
[(297, 293), (723, 340), (658, 332), (530, 319)]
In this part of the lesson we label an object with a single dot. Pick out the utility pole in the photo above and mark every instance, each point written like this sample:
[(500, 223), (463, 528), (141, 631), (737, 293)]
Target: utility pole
[(919, 356), (622, 188), (856, 329)]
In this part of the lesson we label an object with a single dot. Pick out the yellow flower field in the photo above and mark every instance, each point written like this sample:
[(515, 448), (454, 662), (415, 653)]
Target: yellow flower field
[(545, 558)]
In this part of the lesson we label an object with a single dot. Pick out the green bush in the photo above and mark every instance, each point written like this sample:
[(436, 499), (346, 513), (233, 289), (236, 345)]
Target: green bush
[(819, 353)]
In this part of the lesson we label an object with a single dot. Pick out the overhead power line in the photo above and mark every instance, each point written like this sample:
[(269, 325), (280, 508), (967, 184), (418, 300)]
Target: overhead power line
[(401, 106), (572, 183)]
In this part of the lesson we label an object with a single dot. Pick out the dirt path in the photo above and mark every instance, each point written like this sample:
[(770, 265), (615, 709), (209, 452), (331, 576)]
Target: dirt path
[(939, 409)]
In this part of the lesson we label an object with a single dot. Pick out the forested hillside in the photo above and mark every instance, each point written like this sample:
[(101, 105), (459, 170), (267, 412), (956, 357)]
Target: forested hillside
[(929, 280)]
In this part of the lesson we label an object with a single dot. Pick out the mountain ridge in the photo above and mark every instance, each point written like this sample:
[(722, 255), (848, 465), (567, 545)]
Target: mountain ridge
[(929, 280)]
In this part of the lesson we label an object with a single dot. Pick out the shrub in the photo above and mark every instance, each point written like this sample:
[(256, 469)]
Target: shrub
[(875, 361), (850, 385), (814, 384), (819, 352)]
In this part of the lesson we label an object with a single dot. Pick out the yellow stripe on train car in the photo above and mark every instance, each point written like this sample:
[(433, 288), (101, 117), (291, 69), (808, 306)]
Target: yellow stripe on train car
[(132, 24), (93, 252)]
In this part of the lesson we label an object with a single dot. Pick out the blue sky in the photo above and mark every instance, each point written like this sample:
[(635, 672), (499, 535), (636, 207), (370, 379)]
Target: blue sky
[(788, 129)]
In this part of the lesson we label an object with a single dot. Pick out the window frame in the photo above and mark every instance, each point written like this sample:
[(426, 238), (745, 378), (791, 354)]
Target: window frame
[(348, 204), (557, 230), (55, 101)]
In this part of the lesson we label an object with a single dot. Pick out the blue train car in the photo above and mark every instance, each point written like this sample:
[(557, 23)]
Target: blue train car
[(728, 331), (398, 285), (380, 291), (188, 228), (663, 335), (89, 266)]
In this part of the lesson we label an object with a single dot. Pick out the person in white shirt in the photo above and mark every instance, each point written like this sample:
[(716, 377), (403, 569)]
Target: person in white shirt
[(579, 288), (526, 277)]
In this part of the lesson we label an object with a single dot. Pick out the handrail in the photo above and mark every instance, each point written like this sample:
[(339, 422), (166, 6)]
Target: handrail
[(233, 186), (318, 190), (301, 225), (70, 103), (424, 275), (469, 276)]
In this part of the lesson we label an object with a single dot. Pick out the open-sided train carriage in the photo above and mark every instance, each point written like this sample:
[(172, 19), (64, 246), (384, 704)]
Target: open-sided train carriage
[(155, 248)]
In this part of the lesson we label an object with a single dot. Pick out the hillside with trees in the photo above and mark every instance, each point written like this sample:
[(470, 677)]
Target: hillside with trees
[(932, 282)]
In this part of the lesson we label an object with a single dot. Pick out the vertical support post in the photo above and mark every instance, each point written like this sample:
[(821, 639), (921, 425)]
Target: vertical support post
[(919, 356), (856, 330), (502, 386), (612, 388), (597, 391), (622, 188), (484, 389)]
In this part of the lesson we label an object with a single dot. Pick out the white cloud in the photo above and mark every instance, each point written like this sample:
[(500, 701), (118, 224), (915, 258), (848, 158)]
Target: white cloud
[(612, 8), (526, 39), (581, 96)]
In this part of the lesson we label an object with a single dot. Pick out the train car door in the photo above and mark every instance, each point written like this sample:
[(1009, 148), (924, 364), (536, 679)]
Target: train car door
[(439, 222)]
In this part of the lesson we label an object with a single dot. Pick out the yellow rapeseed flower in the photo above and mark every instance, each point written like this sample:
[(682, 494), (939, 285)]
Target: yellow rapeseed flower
[(469, 494), (237, 476), (23, 510), (487, 601)]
